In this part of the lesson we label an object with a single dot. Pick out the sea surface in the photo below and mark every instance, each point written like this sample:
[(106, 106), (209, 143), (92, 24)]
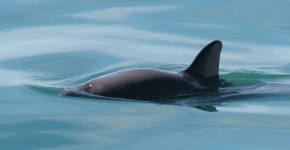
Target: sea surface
[(48, 45)]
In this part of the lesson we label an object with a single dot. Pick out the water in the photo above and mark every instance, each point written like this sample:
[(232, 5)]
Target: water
[(48, 45)]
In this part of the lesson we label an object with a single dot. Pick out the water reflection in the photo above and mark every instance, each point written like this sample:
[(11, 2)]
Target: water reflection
[(36, 134), (133, 43), (120, 13), (63, 65)]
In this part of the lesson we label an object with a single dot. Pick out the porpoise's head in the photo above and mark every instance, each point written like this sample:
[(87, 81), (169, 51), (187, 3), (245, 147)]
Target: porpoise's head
[(80, 90)]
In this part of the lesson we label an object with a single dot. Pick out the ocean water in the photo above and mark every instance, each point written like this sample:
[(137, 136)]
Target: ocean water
[(48, 45)]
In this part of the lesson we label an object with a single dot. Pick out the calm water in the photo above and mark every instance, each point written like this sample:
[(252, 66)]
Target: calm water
[(48, 45)]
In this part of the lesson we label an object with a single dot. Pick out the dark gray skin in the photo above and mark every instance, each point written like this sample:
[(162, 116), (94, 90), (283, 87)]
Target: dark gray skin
[(148, 84), (141, 84)]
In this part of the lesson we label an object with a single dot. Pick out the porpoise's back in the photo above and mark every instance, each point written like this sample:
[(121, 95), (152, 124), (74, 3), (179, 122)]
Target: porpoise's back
[(142, 84)]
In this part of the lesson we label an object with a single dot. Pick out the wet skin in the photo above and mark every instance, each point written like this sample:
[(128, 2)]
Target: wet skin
[(148, 84)]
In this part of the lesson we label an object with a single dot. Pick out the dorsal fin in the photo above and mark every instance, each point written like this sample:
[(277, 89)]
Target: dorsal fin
[(206, 63)]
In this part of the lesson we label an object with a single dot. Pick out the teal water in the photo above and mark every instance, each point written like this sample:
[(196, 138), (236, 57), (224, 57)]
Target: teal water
[(48, 45)]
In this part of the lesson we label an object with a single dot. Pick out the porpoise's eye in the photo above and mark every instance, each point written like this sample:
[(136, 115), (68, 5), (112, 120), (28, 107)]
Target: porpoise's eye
[(87, 87)]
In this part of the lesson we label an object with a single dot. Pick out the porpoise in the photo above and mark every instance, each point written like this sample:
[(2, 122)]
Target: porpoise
[(149, 84)]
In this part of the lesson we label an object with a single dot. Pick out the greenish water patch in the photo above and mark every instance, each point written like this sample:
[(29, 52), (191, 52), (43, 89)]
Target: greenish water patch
[(246, 76)]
